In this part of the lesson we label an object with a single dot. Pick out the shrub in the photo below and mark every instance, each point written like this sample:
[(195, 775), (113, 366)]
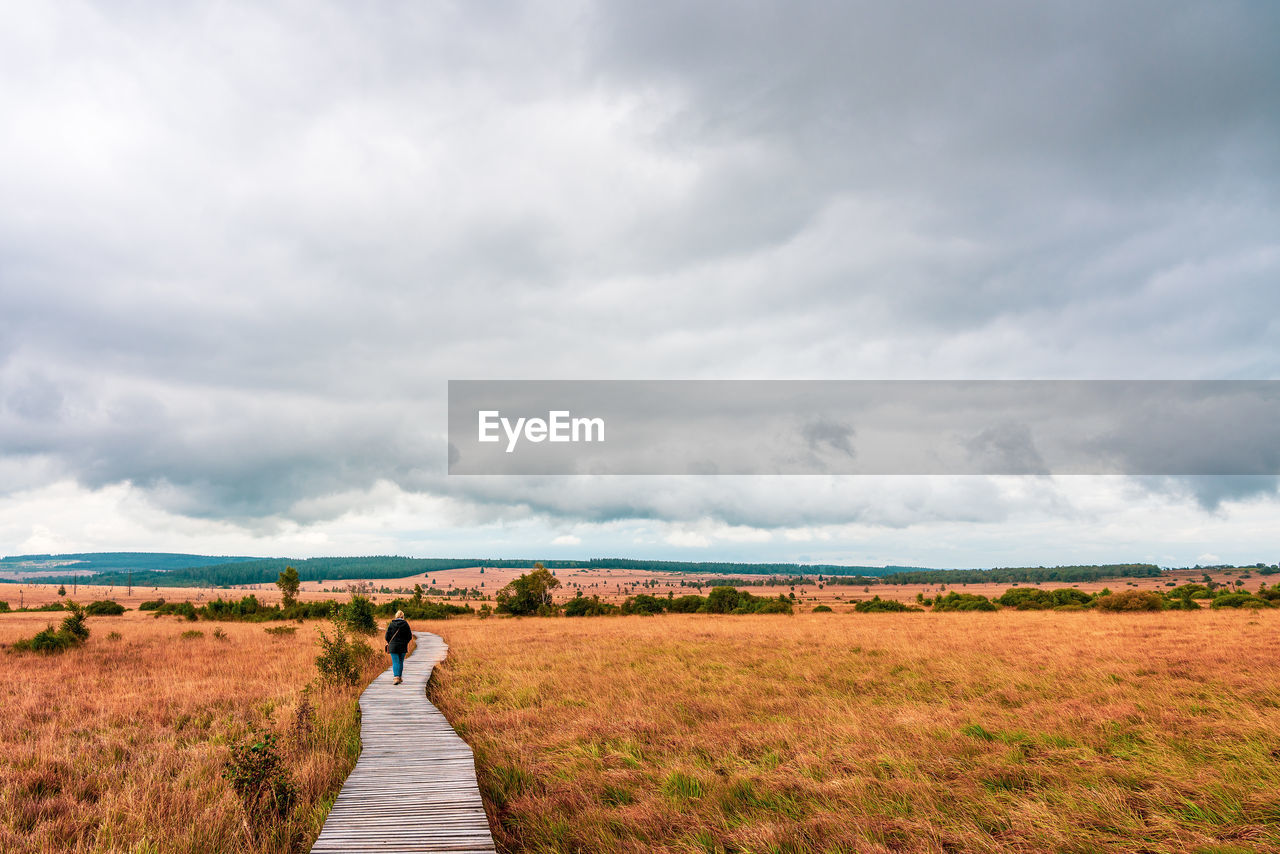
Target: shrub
[(821, 609), (260, 780), (1131, 600), (340, 658), (723, 600), (219, 634), (177, 609), (770, 606), (4, 606), (876, 605), (73, 624), (1190, 591), (421, 609), (581, 606), (1239, 600), (104, 608), (358, 615), (954, 601), (151, 604), (46, 640), (191, 634), (71, 633), (280, 631), (686, 604), (643, 604)]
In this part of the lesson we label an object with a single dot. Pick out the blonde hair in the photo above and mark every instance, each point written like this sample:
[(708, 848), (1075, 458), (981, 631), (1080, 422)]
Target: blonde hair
[(399, 615)]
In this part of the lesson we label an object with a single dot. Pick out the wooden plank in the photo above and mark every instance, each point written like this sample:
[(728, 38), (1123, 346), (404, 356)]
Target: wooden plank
[(414, 788)]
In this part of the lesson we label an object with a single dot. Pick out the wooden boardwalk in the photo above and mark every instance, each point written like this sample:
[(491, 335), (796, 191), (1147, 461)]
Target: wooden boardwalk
[(414, 786)]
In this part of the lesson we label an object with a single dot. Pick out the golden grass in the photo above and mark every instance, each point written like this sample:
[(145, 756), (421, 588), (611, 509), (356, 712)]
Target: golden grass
[(1006, 732), (119, 745)]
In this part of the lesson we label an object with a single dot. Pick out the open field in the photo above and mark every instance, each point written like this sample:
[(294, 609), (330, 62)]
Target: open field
[(1028, 731), (611, 585), (120, 745)]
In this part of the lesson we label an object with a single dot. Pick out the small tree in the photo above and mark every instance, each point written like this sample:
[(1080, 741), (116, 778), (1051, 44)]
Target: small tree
[(358, 615), (258, 775), (288, 582), (340, 657), (62, 590), (528, 594)]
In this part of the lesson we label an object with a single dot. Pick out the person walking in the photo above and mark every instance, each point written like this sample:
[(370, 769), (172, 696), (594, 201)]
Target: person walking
[(398, 637)]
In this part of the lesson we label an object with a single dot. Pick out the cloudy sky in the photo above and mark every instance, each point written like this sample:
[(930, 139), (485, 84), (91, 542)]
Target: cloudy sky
[(243, 247)]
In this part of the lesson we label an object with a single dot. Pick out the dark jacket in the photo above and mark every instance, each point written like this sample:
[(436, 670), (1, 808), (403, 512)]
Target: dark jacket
[(398, 636)]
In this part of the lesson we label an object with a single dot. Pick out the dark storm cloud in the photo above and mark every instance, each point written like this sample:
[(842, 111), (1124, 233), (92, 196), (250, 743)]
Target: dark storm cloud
[(244, 246)]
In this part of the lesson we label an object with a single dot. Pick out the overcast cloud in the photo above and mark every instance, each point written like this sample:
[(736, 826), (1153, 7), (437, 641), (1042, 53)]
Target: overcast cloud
[(243, 247)]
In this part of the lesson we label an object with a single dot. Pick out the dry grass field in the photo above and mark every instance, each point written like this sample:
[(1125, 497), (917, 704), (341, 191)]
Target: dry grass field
[(1004, 732), (611, 585), (119, 746)]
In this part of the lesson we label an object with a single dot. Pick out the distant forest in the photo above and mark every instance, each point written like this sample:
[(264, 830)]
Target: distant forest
[(162, 571), (1021, 574), (144, 569)]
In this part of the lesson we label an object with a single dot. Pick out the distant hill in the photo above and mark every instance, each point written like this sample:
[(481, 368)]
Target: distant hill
[(98, 562), (181, 570)]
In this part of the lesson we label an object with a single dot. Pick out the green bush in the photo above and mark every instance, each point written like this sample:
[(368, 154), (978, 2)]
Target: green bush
[(954, 601), (4, 606), (46, 640), (341, 658), (151, 604), (1131, 600), (71, 633), (1035, 599), (258, 776), (422, 609), (876, 605), (104, 608), (581, 606), (686, 604), (1239, 600), (177, 609), (643, 604), (1190, 591), (722, 600), (358, 615), (821, 609), (769, 606)]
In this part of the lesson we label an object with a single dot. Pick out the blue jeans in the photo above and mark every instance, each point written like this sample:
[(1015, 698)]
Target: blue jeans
[(397, 663)]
